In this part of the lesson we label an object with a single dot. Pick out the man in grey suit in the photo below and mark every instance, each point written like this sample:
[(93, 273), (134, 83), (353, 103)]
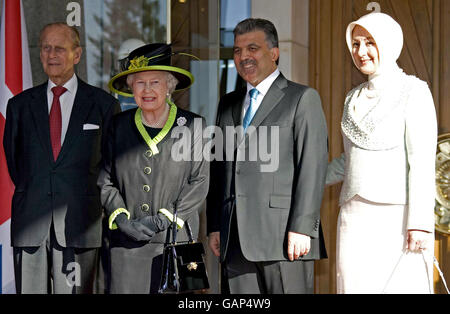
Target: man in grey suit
[(54, 142), (264, 221)]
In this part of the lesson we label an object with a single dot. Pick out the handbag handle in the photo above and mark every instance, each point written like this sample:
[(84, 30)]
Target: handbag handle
[(175, 228), (436, 264)]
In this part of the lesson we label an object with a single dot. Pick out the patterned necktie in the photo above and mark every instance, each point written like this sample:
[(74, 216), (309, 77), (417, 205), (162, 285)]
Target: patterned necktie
[(251, 110), (56, 120)]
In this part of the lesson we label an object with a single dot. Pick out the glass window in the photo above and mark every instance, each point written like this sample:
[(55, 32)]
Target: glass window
[(195, 29), (116, 27), (231, 13), (104, 26)]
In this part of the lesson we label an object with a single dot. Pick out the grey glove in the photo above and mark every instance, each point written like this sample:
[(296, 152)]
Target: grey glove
[(156, 223), (133, 228)]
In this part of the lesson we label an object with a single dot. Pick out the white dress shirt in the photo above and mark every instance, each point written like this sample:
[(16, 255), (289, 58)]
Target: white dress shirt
[(262, 88), (67, 99)]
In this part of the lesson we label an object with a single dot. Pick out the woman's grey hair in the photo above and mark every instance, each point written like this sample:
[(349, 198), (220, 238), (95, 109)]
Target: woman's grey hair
[(255, 24), (171, 81)]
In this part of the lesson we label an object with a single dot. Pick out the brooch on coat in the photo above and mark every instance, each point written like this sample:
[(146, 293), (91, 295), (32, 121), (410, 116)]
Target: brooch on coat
[(181, 121)]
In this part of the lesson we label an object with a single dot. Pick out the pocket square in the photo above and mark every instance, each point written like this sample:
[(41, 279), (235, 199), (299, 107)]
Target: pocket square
[(89, 126)]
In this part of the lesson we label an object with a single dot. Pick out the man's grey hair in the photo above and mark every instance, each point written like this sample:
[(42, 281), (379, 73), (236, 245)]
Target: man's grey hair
[(74, 34), (256, 24), (171, 81)]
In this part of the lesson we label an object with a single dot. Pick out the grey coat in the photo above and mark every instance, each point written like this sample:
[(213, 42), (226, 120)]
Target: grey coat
[(170, 183)]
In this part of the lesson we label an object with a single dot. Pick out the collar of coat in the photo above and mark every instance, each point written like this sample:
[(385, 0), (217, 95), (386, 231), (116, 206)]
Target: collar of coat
[(152, 143)]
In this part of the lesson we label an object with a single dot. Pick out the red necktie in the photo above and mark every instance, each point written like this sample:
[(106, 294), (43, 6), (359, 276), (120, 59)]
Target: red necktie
[(56, 120)]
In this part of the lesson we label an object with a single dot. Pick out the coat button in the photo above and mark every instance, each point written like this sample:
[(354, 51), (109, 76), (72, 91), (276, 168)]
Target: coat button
[(146, 188), (147, 170), (145, 207), (148, 154)]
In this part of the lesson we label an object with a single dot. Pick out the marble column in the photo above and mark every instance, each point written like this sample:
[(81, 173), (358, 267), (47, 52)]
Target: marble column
[(291, 18)]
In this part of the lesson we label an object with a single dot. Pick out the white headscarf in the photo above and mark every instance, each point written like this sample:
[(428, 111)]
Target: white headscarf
[(388, 36), (373, 112)]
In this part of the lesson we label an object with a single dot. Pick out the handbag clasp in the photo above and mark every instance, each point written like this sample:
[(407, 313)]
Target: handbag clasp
[(192, 266)]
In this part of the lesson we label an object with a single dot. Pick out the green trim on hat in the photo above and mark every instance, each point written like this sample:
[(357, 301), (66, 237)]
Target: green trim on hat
[(167, 68)]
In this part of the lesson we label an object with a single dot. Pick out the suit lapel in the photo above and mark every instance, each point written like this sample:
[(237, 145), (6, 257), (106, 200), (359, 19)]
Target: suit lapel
[(270, 101), (81, 108), (39, 109), (236, 110)]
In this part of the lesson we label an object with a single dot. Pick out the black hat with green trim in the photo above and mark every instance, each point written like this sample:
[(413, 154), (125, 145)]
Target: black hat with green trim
[(151, 57)]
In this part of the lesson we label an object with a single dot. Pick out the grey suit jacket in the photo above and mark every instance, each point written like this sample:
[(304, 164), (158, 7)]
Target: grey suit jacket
[(63, 191), (270, 204)]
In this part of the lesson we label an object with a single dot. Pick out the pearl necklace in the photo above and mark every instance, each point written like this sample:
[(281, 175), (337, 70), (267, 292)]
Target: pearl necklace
[(158, 124)]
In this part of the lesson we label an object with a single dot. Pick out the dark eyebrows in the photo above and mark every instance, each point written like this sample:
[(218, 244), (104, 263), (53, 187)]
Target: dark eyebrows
[(251, 45)]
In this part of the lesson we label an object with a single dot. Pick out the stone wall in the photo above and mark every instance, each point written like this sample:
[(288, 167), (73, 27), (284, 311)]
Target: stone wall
[(291, 18)]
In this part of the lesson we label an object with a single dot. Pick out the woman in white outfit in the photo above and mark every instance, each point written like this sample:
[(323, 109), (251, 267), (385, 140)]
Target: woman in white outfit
[(386, 222)]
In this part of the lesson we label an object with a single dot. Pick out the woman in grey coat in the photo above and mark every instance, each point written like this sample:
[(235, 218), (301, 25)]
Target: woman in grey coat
[(154, 164)]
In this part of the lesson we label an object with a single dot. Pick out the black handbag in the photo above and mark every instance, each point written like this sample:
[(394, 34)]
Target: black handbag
[(184, 268)]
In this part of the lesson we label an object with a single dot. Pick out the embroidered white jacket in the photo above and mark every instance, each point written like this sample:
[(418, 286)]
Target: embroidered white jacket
[(399, 170)]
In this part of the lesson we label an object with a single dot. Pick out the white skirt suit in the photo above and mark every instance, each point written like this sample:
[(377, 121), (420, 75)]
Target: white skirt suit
[(388, 170)]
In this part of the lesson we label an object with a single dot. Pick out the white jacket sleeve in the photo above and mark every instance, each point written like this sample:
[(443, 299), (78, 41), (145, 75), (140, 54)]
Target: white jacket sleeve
[(335, 171), (421, 141)]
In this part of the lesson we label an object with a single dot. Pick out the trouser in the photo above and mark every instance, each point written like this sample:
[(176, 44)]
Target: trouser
[(273, 277), (51, 268)]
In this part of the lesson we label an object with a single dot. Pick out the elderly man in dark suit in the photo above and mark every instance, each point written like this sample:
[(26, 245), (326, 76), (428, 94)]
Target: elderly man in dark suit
[(53, 141), (264, 220)]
